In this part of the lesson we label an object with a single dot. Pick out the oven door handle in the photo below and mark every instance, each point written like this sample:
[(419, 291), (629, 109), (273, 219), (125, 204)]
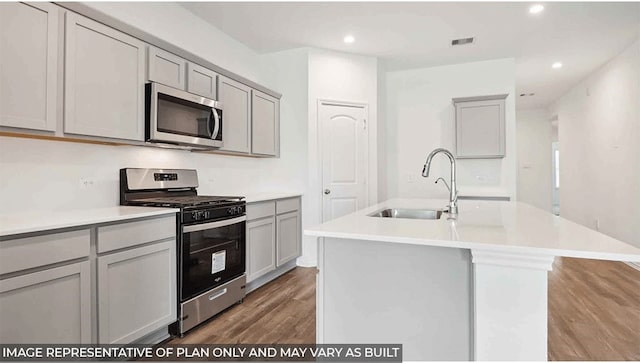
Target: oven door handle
[(202, 227)]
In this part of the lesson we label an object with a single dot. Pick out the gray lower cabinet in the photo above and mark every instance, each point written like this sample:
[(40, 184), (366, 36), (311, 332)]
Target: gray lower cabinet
[(29, 43), (265, 124), (107, 283), (236, 128), (273, 235), (261, 247), (104, 75), (50, 306), (288, 241), (136, 292)]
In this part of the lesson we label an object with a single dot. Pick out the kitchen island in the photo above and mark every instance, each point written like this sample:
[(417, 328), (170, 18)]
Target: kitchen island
[(474, 288)]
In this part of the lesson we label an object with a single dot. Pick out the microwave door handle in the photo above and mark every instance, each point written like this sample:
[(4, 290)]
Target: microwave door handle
[(216, 124)]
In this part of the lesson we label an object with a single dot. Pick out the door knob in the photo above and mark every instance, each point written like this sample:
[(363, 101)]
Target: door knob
[(327, 191)]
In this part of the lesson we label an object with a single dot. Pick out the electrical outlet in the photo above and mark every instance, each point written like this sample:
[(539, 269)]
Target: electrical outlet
[(86, 183), (411, 177)]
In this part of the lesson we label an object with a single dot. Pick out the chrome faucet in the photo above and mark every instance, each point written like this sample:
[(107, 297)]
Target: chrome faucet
[(453, 190)]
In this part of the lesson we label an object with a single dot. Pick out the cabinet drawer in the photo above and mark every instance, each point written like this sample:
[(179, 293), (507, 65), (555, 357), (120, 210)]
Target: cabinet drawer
[(287, 205), (260, 210), (23, 253), (129, 234)]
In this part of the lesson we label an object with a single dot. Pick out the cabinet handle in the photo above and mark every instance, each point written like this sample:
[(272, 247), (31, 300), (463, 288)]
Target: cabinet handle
[(218, 294)]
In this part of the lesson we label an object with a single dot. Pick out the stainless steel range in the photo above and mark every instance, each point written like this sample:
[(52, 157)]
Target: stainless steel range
[(211, 244)]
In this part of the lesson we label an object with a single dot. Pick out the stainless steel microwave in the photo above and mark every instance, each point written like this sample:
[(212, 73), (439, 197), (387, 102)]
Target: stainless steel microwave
[(181, 118)]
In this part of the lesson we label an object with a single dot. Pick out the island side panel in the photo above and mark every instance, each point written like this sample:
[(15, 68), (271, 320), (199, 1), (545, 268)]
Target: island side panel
[(379, 292)]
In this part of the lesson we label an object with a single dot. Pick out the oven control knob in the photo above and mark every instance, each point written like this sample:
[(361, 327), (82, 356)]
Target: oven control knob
[(207, 214), (195, 215)]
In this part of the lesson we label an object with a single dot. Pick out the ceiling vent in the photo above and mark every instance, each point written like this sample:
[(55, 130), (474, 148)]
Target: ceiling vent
[(527, 94), (462, 41)]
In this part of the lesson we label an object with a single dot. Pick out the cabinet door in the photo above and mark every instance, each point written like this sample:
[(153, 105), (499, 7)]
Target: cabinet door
[(136, 292), (104, 81), (480, 129), (166, 68), (202, 81), (47, 307), (236, 115), (288, 233), (265, 124), (28, 65), (261, 247)]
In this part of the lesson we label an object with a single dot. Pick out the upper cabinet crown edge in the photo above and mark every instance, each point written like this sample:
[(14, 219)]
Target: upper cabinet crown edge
[(151, 39)]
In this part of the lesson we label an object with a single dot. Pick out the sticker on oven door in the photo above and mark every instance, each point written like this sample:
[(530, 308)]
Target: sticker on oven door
[(218, 261)]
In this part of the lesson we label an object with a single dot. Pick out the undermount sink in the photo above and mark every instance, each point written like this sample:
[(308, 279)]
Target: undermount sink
[(408, 213)]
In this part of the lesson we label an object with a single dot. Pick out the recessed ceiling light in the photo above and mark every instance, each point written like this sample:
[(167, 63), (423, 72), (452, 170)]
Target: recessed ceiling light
[(535, 9), (349, 39), (556, 65)]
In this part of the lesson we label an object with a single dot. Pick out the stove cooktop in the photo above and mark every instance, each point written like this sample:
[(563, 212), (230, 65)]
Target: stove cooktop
[(186, 201)]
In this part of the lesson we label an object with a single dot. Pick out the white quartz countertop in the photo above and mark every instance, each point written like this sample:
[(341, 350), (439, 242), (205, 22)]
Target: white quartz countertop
[(483, 225), (261, 197), (11, 224)]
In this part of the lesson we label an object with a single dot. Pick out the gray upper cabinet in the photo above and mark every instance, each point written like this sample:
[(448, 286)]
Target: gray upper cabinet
[(166, 68), (480, 127), (236, 115), (104, 81), (28, 65), (265, 124), (202, 81)]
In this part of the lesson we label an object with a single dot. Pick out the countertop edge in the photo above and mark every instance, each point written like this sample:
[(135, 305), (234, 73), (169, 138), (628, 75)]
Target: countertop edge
[(16, 232), (478, 246), (271, 196)]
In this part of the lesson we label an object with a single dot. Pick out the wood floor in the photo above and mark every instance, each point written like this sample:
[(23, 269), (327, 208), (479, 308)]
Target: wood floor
[(281, 312), (594, 312)]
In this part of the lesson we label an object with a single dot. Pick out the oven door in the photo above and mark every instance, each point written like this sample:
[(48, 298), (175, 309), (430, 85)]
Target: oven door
[(212, 254), (178, 117)]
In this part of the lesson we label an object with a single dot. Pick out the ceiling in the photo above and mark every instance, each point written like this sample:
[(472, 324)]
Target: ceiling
[(581, 35)]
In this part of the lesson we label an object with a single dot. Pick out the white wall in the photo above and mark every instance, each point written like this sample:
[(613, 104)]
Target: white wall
[(340, 77), (534, 137), (599, 133), (420, 117), (44, 175)]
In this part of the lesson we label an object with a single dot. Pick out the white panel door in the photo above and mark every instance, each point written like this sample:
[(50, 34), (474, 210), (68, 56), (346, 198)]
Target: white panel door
[(28, 65), (344, 158), (104, 80)]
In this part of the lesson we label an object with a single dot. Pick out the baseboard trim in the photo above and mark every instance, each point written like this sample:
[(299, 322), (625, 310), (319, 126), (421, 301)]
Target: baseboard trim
[(263, 280), (635, 265), (154, 337), (306, 262)]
